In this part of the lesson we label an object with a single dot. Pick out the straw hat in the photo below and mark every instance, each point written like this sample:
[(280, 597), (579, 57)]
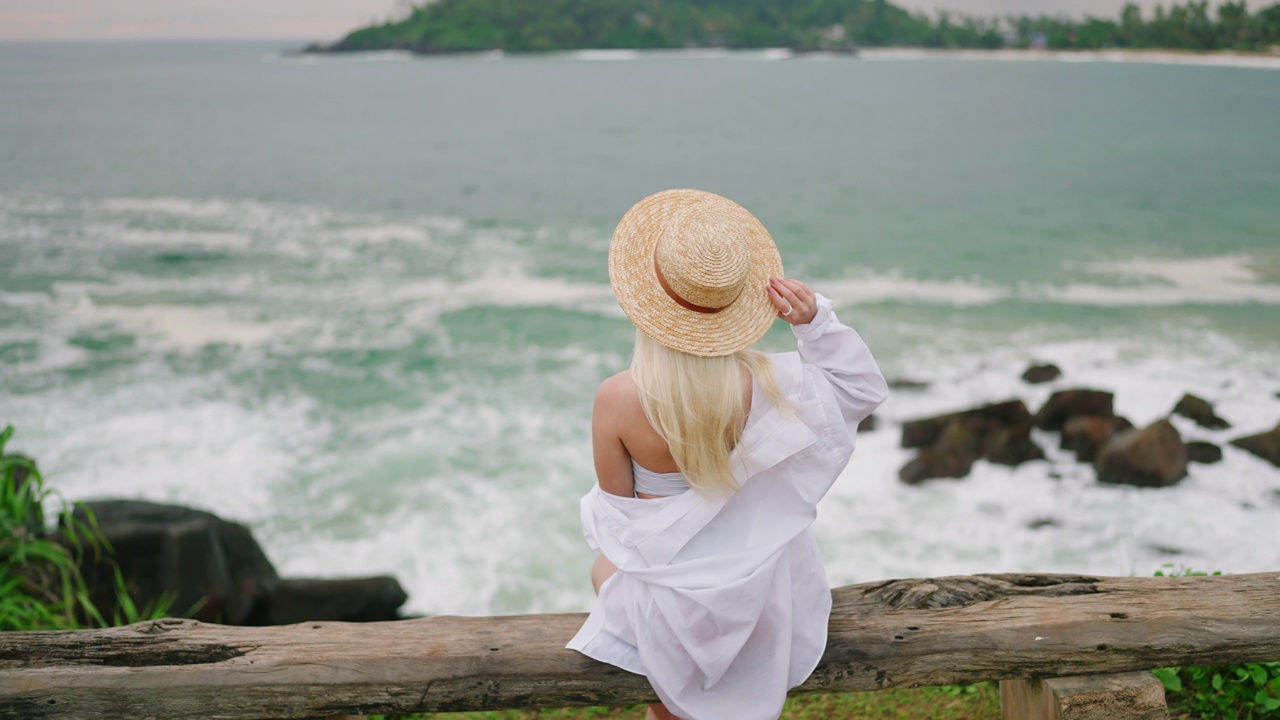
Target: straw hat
[(691, 269)]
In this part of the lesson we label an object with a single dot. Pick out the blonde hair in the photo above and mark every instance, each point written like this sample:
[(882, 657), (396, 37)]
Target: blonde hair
[(695, 404)]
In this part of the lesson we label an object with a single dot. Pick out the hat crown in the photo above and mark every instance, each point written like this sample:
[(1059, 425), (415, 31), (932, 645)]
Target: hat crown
[(703, 253)]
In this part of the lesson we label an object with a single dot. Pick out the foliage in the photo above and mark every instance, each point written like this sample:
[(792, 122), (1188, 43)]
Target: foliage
[(41, 587), (1243, 690), (443, 26), (982, 702)]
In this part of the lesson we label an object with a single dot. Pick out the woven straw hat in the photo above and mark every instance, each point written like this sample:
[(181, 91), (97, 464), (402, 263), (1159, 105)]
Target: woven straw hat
[(691, 269)]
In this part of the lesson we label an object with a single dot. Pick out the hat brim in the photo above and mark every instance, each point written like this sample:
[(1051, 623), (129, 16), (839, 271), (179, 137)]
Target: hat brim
[(658, 315)]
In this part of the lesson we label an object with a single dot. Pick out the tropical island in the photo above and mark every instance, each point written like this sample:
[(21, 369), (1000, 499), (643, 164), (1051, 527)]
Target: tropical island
[(520, 26)]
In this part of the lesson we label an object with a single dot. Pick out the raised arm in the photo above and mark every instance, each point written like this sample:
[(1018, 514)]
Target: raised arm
[(836, 349)]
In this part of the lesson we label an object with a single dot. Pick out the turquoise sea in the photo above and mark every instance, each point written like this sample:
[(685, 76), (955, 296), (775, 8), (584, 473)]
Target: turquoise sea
[(361, 304)]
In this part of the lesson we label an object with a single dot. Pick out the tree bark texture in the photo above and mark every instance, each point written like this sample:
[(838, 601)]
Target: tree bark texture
[(884, 634)]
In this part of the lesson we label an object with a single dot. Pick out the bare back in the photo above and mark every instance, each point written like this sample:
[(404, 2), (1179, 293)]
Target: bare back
[(620, 433)]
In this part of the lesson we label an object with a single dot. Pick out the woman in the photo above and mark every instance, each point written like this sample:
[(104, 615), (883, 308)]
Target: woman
[(710, 460)]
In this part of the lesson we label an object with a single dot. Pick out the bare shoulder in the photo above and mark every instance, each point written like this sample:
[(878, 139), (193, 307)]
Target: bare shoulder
[(617, 390)]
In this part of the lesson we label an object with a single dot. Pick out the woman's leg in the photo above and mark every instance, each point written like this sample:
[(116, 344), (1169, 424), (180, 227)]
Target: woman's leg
[(601, 570)]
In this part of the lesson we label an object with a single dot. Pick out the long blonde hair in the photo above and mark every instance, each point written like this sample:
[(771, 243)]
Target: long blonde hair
[(695, 404)]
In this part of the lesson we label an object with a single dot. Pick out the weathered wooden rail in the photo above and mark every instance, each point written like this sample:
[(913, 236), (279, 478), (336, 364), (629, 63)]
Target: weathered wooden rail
[(882, 635)]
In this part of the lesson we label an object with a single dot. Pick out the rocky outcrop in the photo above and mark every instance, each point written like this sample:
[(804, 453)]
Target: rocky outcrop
[(1151, 457), (210, 568), (347, 600), (1200, 451), (1265, 445), (1037, 374), (1199, 410), (1085, 435), (926, 431), (1066, 404), (1000, 433)]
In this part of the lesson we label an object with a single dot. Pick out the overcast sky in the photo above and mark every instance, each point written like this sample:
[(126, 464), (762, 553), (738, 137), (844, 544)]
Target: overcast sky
[(330, 19)]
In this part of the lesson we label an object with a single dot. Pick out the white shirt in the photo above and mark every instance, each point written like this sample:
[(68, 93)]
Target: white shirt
[(723, 604)]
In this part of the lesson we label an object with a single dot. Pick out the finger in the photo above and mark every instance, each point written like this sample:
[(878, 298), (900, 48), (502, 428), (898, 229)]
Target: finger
[(801, 290), (781, 287), (778, 301)]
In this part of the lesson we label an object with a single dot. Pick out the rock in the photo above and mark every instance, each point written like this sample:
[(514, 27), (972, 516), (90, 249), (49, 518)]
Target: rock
[(868, 424), (1201, 411), (1086, 434), (1065, 404), (1265, 445), (1011, 445), (215, 570), (1203, 452), (1044, 522), (371, 599), (951, 456), (908, 384), (1037, 374), (195, 557), (926, 431), (1151, 457)]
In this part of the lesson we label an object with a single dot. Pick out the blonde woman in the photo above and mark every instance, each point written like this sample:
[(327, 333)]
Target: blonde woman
[(710, 460)]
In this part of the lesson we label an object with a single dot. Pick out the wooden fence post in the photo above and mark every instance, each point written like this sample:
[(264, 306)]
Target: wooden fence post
[(1123, 696)]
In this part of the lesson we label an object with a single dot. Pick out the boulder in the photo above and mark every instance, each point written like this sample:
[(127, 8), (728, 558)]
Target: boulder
[(926, 431), (965, 439), (1037, 374), (1151, 457), (371, 599), (1011, 445), (1086, 434), (1201, 411), (1203, 452), (215, 571), (199, 560), (1066, 404), (951, 456), (1265, 445)]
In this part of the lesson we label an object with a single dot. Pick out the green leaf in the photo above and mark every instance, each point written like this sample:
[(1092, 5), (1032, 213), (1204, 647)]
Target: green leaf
[(1169, 676), (1259, 674), (1217, 681)]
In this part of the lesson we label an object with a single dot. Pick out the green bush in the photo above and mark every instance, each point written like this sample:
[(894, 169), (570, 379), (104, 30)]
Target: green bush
[(41, 587)]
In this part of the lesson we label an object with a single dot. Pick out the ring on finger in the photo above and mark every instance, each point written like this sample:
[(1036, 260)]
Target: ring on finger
[(787, 311)]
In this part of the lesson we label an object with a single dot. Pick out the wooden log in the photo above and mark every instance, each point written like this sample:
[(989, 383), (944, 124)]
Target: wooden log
[(1123, 696), (882, 635)]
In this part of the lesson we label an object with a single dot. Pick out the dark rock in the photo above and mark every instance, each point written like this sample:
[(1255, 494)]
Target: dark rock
[(1151, 457), (1201, 411), (1085, 435), (1037, 374), (908, 384), (371, 599), (926, 431), (1203, 452), (1066, 404), (1165, 549), (196, 558), (1265, 445), (951, 456), (1011, 445), (1039, 523), (214, 570), (868, 424)]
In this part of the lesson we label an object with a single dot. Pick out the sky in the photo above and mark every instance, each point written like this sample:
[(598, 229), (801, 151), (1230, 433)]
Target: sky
[(331, 19)]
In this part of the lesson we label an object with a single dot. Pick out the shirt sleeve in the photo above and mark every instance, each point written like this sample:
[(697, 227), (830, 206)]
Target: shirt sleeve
[(845, 360)]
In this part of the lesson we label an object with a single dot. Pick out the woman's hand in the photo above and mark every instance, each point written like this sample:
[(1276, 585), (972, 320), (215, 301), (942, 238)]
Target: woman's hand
[(796, 303)]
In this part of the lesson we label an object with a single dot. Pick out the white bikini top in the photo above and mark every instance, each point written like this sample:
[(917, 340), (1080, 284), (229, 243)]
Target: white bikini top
[(656, 483)]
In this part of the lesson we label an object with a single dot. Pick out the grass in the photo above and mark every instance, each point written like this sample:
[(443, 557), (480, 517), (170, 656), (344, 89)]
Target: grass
[(972, 702)]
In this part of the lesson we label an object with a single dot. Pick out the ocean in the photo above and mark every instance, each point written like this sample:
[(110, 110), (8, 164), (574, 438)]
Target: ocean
[(360, 303)]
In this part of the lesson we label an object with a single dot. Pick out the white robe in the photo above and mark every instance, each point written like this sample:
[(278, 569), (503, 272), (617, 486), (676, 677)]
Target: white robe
[(723, 604)]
